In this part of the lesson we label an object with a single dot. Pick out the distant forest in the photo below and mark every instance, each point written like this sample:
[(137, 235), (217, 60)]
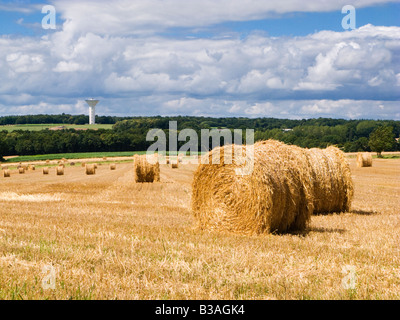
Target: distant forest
[(129, 133)]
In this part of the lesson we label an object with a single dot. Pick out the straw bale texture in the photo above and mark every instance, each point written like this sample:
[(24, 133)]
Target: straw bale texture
[(90, 169), (144, 171), (60, 170), (332, 183), (364, 160), (275, 197)]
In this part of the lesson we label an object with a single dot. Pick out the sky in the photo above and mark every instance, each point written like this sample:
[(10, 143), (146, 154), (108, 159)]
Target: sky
[(221, 58)]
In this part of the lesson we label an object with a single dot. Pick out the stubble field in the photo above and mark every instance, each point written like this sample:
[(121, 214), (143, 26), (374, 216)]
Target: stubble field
[(107, 237)]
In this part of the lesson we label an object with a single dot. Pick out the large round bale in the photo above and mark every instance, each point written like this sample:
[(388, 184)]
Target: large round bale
[(60, 170), (6, 173), (90, 169), (332, 183), (364, 159), (21, 170), (113, 166), (144, 170), (273, 196), (46, 170)]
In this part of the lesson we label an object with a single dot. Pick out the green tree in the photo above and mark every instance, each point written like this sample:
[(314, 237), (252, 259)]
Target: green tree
[(3, 147), (381, 139)]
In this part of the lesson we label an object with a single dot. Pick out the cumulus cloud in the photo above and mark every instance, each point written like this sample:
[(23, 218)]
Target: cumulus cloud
[(96, 54), (146, 17)]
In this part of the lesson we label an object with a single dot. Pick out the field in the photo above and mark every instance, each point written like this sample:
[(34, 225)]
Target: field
[(38, 127), (107, 237)]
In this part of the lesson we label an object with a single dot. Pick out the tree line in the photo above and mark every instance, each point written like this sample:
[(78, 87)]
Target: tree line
[(129, 133)]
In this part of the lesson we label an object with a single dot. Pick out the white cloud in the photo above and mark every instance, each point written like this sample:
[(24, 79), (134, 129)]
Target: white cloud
[(146, 17), (96, 55)]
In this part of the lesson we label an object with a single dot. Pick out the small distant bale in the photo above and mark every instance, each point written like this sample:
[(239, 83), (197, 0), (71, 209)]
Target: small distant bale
[(144, 171), (21, 170), (31, 167), (6, 173), (83, 164), (47, 161), (72, 164), (104, 158), (46, 170), (95, 165), (90, 169), (364, 159), (113, 166), (174, 165), (60, 170)]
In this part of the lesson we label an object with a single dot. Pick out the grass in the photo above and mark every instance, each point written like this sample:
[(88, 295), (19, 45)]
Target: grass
[(38, 127), (83, 155), (110, 238)]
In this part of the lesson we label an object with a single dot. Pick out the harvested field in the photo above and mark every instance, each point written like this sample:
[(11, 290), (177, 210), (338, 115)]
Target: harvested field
[(108, 237)]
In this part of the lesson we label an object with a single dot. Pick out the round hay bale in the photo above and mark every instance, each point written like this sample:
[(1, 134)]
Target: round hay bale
[(21, 170), (113, 166), (274, 197), (145, 171), (72, 164), (364, 160), (60, 170), (95, 165), (6, 173), (104, 158), (332, 182), (31, 167), (46, 170), (47, 161), (83, 164), (90, 169)]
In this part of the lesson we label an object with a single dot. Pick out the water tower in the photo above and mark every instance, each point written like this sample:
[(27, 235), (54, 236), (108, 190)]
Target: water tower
[(92, 110)]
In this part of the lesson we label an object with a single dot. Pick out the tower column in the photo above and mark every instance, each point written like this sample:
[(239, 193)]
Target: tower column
[(92, 110)]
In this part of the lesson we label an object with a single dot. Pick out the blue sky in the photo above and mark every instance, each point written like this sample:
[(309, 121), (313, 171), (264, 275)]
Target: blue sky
[(288, 24), (290, 59)]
